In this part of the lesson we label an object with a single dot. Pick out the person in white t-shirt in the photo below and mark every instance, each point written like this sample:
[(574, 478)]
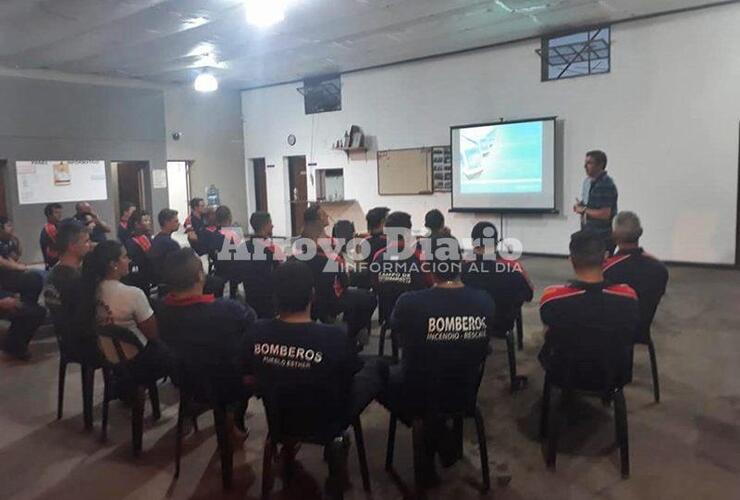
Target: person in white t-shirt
[(105, 300)]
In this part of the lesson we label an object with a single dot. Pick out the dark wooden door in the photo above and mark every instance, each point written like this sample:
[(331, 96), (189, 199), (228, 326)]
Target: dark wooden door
[(129, 183), (298, 192), (260, 184)]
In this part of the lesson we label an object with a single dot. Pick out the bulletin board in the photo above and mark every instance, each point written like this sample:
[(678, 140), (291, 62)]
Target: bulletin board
[(405, 171), (60, 181)]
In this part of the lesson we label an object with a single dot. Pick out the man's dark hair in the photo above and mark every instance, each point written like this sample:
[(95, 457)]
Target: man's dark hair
[(136, 218), (165, 215), (3, 220), (182, 269), (599, 156), (312, 213), (344, 229), (195, 202), (587, 249), (447, 267), (434, 220), (49, 209), (126, 206), (484, 230), (68, 234), (398, 220), (223, 215), (293, 282), (375, 217), (258, 220)]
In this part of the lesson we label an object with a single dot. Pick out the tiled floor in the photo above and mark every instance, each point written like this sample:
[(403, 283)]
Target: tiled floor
[(687, 447)]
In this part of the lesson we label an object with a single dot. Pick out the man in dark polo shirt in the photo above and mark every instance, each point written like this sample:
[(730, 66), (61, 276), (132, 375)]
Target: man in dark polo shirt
[(205, 334), (643, 272), (393, 273), (264, 257), (376, 240), (590, 323), (15, 276), (598, 205), (295, 351), (163, 244), (138, 247), (444, 332)]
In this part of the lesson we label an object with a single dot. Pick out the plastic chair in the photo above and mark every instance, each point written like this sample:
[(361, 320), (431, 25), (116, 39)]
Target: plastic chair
[(118, 347)]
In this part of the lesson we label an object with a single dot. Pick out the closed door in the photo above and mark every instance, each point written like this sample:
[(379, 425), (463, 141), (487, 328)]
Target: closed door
[(298, 192), (260, 184)]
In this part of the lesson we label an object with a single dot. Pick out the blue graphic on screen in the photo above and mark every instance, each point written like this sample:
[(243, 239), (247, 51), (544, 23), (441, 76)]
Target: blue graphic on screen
[(504, 158)]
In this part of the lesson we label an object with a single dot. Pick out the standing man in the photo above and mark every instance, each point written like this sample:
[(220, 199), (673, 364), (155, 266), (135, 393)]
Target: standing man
[(598, 207), (48, 238), (98, 228), (163, 244), (127, 208)]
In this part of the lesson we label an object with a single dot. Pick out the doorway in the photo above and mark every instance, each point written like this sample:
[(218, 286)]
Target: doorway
[(132, 181), (260, 184), (178, 187), (298, 192)]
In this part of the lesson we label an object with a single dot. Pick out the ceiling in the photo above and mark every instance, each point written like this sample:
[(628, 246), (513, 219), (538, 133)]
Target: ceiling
[(168, 41)]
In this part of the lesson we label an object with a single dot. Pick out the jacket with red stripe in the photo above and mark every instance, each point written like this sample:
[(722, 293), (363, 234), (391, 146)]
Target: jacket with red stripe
[(330, 282), (392, 276), (649, 278), (48, 240), (137, 247), (590, 332)]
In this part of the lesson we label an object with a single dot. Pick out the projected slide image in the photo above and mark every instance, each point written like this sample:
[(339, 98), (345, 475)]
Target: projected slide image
[(503, 158)]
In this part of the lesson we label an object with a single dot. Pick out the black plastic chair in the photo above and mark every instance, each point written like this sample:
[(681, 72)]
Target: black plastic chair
[(307, 413), (193, 403), (387, 298), (653, 368), (450, 396), (589, 366), (118, 347), (69, 355)]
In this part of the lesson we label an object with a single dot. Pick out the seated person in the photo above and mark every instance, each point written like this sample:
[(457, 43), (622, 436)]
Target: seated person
[(391, 276), (24, 319), (294, 350), (633, 266), (504, 280), (444, 334), (434, 221), (590, 323), (138, 247), (63, 288), (16, 277), (205, 334), (48, 237), (105, 300), (98, 229), (163, 245), (376, 240), (265, 257), (333, 295), (195, 223), (228, 269), (123, 232)]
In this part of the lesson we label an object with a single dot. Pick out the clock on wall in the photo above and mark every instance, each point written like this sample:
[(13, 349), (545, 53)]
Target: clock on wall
[(291, 140)]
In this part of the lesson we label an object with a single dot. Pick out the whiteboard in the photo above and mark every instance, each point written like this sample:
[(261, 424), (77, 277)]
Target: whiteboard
[(59, 181)]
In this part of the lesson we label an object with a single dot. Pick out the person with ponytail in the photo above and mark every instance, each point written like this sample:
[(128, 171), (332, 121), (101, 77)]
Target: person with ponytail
[(106, 300)]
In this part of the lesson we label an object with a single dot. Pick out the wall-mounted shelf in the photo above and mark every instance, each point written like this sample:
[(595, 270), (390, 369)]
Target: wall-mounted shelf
[(350, 151)]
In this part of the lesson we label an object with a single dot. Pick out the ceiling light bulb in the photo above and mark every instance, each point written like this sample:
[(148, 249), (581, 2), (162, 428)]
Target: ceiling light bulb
[(264, 13), (205, 82)]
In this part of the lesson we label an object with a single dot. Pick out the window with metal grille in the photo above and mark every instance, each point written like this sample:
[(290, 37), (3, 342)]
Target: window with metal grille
[(576, 54)]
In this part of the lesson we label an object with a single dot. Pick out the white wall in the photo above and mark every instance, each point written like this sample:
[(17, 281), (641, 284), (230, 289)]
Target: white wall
[(667, 115), (211, 129)]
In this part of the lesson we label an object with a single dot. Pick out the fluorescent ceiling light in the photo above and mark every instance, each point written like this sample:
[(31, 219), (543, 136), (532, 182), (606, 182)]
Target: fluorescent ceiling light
[(264, 13), (205, 82)]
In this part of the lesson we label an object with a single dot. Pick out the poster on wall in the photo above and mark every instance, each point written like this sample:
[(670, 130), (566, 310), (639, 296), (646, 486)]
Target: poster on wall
[(442, 169), (59, 181)]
